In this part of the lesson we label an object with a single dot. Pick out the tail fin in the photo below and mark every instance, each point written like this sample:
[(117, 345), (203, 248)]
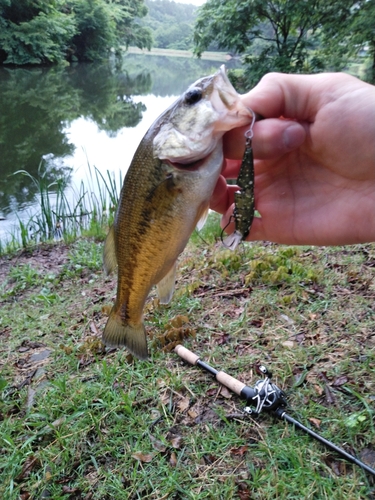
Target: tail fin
[(117, 334)]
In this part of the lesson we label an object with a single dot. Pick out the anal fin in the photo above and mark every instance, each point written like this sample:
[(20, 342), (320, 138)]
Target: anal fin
[(109, 252)]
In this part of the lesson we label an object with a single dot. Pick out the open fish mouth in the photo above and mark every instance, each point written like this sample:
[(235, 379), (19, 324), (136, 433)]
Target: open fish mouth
[(192, 126)]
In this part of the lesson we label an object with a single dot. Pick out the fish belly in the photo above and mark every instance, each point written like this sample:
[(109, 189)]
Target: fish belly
[(159, 209)]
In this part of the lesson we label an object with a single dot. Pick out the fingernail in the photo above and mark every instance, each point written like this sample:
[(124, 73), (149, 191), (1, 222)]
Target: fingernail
[(294, 135)]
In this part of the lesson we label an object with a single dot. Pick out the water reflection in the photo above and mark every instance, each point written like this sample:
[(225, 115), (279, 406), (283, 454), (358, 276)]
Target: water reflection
[(54, 114), (37, 105)]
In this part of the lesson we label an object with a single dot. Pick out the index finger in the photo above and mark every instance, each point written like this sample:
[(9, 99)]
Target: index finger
[(294, 96)]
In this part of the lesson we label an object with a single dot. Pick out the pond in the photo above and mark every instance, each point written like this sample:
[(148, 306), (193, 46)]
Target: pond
[(70, 119)]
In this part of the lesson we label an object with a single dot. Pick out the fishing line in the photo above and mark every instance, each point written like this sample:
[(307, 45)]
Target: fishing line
[(231, 218)]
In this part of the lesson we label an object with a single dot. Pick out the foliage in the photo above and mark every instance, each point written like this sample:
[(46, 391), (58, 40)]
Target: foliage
[(34, 32), (64, 214), (171, 23), (280, 35), (80, 421), (102, 25), (39, 32), (361, 33)]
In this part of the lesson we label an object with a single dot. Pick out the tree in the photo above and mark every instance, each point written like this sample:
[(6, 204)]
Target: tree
[(103, 25), (353, 39), (363, 32), (34, 32), (171, 23), (277, 35), (48, 31)]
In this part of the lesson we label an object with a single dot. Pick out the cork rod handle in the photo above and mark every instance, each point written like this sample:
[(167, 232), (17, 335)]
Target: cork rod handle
[(186, 355)]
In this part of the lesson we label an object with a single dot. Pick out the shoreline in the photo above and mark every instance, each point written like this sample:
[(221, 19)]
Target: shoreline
[(210, 56)]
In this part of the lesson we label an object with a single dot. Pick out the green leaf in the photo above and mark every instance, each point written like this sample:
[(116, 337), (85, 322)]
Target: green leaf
[(3, 384)]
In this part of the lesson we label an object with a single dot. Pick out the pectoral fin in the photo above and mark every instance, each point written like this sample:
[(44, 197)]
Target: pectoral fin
[(166, 286), (109, 252), (233, 240), (202, 219)]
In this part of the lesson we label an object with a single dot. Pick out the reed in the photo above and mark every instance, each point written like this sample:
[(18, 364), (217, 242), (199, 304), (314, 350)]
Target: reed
[(66, 212)]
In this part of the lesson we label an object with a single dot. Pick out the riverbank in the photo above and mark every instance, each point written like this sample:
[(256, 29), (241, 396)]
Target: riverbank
[(84, 422), (209, 56)]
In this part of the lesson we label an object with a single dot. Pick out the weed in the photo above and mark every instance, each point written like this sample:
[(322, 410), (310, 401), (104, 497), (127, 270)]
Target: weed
[(282, 267), (20, 278), (210, 233), (79, 420), (67, 213), (86, 254)]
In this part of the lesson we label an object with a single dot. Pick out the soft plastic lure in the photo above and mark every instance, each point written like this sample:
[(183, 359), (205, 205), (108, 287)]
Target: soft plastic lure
[(243, 213)]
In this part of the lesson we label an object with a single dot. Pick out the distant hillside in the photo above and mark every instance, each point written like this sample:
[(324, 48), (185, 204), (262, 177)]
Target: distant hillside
[(171, 23)]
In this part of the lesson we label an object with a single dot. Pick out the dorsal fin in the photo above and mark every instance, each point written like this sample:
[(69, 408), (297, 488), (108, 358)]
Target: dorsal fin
[(109, 252)]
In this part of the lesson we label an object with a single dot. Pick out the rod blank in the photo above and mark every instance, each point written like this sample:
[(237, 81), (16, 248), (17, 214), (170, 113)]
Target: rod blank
[(249, 394)]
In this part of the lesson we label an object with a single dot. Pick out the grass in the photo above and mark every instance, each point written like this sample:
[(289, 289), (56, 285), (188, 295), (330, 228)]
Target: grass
[(64, 214), (78, 421)]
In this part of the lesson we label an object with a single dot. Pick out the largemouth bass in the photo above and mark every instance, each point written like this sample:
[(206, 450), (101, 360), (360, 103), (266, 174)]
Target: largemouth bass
[(165, 195)]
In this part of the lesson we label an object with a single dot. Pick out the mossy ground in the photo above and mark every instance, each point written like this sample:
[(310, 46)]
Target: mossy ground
[(82, 422)]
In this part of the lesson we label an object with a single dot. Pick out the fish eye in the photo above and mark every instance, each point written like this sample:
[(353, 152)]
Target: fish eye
[(192, 96)]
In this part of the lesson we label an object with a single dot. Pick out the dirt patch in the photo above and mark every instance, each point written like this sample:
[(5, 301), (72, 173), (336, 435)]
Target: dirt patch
[(44, 258)]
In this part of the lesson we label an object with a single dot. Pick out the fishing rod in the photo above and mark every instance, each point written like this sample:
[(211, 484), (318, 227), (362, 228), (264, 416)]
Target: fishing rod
[(264, 396)]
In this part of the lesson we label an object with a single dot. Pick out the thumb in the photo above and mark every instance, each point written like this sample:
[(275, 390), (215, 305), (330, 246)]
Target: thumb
[(272, 139)]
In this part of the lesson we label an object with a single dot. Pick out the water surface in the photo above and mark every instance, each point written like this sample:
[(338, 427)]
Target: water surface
[(65, 119)]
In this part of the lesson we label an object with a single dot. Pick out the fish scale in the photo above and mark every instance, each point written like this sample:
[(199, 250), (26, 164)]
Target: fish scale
[(166, 192)]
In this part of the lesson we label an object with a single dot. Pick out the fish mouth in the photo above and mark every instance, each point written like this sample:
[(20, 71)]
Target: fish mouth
[(223, 73), (191, 166)]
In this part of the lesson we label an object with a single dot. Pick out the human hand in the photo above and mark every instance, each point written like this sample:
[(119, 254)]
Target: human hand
[(314, 160)]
